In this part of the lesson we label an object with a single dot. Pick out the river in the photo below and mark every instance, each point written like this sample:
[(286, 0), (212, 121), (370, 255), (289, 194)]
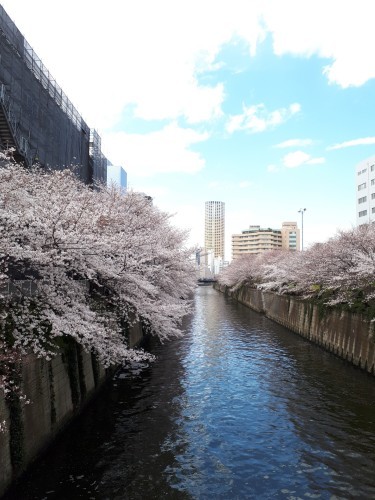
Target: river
[(238, 408)]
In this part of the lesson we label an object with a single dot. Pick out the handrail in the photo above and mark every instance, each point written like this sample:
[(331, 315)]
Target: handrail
[(27, 287), (24, 50), (22, 144)]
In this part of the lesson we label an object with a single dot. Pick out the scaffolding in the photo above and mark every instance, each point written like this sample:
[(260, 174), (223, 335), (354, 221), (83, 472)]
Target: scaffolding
[(36, 114), (99, 161)]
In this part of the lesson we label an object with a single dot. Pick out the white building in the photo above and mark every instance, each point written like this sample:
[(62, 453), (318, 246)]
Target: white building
[(117, 176), (205, 263), (214, 228), (365, 191), (208, 266)]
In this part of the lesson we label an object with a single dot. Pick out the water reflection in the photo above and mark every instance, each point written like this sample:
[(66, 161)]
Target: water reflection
[(238, 408)]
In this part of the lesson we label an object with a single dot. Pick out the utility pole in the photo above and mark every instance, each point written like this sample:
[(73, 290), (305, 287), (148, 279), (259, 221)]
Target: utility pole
[(302, 211)]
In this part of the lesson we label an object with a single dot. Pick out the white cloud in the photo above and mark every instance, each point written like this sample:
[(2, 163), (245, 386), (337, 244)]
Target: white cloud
[(151, 54), (156, 192), (245, 184), (167, 150), (225, 186), (295, 108), (272, 168), (294, 143), (214, 184), (320, 231), (146, 54), (341, 32), (364, 141), (191, 218), (316, 161), (256, 118), (298, 158), (295, 159)]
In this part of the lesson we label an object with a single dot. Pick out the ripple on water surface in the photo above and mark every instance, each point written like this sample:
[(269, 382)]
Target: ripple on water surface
[(238, 408)]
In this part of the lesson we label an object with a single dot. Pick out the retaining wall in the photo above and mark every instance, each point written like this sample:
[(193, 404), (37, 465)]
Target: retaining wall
[(57, 390), (348, 335)]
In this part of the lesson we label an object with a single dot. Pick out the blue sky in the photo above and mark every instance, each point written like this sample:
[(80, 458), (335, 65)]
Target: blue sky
[(265, 105)]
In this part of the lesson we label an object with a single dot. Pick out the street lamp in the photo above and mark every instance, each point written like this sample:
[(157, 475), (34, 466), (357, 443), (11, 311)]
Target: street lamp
[(301, 211)]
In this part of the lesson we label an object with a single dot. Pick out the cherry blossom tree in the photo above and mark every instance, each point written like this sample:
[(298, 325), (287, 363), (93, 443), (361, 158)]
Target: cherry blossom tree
[(96, 261), (264, 270), (338, 271)]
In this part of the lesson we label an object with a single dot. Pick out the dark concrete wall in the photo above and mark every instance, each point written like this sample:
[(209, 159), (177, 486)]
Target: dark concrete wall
[(5, 462), (57, 390), (348, 335)]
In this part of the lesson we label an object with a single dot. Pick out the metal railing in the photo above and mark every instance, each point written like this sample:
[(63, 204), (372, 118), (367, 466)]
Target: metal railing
[(42, 74), (21, 143), (28, 288), (22, 48)]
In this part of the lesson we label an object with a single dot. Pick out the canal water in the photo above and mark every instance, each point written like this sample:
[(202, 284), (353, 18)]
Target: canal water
[(239, 408)]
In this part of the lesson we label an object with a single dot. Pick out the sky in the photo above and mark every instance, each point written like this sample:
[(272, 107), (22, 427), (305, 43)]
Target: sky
[(265, 105)]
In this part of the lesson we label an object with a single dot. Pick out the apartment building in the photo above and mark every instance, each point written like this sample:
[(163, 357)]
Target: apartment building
[(256, 240), (214, 228), (365, 191)]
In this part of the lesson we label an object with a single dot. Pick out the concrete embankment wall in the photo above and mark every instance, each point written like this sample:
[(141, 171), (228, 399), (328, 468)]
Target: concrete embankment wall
[(348, 335), (57, 390)]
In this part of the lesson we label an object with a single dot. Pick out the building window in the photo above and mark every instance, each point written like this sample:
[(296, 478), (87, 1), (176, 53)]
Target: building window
[(362, 186), (362, 213), (372, 168), (362, 200), (373, 210)]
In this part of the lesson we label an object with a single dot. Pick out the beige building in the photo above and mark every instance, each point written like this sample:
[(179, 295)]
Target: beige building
[(290, 235), (256, 239), (214, 227)]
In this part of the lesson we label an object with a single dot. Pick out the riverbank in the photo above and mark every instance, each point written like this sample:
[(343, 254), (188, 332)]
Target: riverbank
[(58, 391), (347, 335)]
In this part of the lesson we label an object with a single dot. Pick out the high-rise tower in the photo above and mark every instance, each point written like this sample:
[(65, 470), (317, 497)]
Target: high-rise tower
[(214, 228)]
